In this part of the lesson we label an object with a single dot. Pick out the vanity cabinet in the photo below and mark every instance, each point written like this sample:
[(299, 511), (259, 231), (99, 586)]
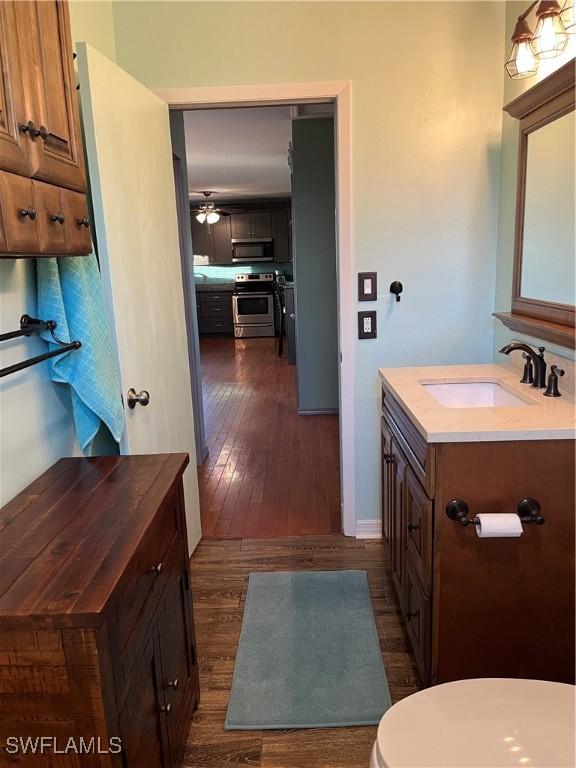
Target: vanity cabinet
[(96, 611), (479, 607), (40, 140)]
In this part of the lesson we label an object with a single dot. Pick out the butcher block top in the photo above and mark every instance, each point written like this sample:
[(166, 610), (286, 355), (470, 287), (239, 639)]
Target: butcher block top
[(65, 541)]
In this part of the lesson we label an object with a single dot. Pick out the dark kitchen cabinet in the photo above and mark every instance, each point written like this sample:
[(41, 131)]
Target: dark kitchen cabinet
[(254, 224), (212, 240), (221, 244), (215, 312), (282, 236)]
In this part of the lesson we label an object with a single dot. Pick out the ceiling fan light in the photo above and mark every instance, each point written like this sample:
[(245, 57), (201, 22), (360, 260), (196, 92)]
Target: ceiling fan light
[(550, 37), (212, 217), (201, 217)]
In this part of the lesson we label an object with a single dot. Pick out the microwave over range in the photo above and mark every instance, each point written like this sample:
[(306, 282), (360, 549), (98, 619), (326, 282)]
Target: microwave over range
[(246, 250)]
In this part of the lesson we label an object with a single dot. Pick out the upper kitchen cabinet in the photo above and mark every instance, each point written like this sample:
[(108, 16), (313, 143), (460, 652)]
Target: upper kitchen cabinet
[(281, 234), (40, 135), (212, 240), (253, 224)]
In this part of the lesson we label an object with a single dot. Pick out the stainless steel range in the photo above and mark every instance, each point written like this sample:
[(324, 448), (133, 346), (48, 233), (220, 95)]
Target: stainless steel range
[(253, 305)]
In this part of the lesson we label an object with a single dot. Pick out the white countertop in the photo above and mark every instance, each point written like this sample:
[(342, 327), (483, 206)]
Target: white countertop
[(543, 418)]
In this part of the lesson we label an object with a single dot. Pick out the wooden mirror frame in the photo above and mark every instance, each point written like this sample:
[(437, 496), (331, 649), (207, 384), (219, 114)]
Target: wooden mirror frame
[(547, 101)]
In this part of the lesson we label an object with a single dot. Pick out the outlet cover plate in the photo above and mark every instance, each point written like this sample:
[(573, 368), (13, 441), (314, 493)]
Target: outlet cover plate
[(367, 325)]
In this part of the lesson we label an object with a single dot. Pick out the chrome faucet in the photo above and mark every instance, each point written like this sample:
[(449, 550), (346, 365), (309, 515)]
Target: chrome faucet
[(537, 359)]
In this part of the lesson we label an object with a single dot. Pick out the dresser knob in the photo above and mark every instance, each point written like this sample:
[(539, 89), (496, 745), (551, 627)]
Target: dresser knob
[(172, 683), (83, 222), (59, 217), (412, 614), (413, 526), (30, 212), (157, 569), (166, 708)]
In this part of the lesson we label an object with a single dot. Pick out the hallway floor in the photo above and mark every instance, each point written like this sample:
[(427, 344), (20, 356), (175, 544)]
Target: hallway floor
[(270, 472), (219, 571)]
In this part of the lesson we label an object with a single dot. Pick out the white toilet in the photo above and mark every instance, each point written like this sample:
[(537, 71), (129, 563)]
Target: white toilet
[(485, 723)]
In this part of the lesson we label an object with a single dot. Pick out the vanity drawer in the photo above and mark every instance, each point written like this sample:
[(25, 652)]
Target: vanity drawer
[(420, 454)]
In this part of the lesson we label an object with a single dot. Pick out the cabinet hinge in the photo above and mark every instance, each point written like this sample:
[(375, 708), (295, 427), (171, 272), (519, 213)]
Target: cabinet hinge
[(187, 579), (193, 655)]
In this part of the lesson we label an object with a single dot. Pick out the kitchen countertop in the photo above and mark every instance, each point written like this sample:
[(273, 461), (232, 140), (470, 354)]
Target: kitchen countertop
[(543, 418), (214, 286)]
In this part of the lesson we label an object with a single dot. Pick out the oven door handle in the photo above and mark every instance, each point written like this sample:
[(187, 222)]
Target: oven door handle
[(252, 295)]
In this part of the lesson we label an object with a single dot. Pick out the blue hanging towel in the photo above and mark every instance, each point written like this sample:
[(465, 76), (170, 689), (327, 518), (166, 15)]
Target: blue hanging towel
[(70, 292)]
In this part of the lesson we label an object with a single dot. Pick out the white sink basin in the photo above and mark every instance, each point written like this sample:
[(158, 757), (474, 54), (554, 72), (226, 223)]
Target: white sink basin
[(474, 394)]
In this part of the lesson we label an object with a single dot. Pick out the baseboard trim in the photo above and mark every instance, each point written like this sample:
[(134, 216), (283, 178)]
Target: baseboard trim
[(317, 412), (369, 529)]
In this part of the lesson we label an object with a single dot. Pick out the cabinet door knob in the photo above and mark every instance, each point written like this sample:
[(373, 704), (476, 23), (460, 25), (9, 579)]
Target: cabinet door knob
[(413, 526), (44, 132), (389, 458), (83, 222), (158, 568), (412, 614), (30, 212), (172, 683), (30, 129), (59, 217), (166, 708)]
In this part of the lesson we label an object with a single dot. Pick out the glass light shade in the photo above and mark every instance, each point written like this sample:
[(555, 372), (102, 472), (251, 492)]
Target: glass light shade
[(201, 217), (522, 61), (212, 217), (550, 37), (569, 17)]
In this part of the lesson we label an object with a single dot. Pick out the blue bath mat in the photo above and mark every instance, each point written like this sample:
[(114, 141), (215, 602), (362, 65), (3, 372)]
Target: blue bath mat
[(309, 655)]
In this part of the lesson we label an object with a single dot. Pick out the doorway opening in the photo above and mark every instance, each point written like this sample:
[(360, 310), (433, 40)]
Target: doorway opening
[(274, 444)]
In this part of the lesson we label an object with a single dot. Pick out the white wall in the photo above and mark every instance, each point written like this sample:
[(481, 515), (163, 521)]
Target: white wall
[(426, 81), (35, 414)]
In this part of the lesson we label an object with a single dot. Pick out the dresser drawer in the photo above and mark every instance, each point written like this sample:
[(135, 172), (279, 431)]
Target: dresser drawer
[(420, 454), (141, 586)]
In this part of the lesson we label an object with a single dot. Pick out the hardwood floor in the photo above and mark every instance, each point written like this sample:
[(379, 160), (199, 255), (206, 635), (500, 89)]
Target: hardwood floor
[(220, 571), (270, 472)]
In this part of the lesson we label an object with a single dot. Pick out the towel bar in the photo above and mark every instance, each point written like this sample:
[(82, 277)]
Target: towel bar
[(28, 326)]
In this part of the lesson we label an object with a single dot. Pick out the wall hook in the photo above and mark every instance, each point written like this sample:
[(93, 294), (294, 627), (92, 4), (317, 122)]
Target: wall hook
[(396, 288)]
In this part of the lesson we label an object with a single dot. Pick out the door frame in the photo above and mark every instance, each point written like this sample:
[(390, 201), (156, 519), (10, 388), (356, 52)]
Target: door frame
[(281, 94)]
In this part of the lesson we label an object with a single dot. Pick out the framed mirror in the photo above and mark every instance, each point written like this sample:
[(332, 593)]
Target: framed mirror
[(544, 277)]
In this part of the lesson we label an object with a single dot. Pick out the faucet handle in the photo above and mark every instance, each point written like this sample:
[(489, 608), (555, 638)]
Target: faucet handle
[(552, 388)]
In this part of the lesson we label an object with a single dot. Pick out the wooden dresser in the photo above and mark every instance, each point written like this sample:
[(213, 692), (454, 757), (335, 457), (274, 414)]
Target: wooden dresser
[(96, 628)]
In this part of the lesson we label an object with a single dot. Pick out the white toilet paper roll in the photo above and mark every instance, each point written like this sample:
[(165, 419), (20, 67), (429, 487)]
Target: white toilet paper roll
[(498, 526)]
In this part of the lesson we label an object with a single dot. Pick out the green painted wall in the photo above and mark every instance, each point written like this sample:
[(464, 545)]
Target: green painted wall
[(426, 123), (508, 171), (92, 22), (314, 244)]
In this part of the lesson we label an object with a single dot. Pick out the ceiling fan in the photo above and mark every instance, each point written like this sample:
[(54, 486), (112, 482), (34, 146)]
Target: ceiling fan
[(207, 213)]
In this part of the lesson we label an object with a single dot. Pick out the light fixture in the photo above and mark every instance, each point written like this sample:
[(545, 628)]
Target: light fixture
[(522, 61), (569, 17), (550, 36), (207, 213)]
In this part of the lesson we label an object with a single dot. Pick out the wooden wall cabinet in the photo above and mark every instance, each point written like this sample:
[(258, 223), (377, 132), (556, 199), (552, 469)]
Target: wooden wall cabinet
[(40, 132), (212, 240), (253, 224), (96, 627), (480, 607)]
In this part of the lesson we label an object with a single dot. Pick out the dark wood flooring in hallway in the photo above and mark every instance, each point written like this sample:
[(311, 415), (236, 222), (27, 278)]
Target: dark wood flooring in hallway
[(270, 472)]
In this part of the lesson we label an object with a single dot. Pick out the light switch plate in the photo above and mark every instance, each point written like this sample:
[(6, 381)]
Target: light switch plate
[(367, 286), (366, 325)]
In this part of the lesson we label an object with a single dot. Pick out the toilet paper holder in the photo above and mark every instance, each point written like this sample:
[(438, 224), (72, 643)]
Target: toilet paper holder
[(528, 510)]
